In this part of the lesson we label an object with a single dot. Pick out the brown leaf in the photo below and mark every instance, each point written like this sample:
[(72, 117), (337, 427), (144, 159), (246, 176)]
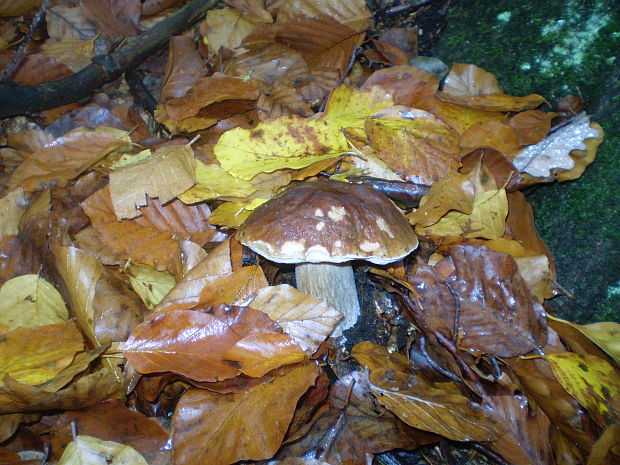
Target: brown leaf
[(459, 118), (321, 40), (466, 79), (114, 18), (184, 67), (526, 439), (498, 314), (216, 428), (233, 288), (494, 102), (152, 238), (17, 257), (37, 68), (195, 343), (226, 28), (64, 158), (435, 407), (283, 101), (411, 86), (531, 126), (352, 13), (494, 134), (110, 421), (418, 146)]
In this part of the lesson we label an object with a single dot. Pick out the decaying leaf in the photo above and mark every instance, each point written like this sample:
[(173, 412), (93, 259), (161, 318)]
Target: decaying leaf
[(226, 428), (289, 142)]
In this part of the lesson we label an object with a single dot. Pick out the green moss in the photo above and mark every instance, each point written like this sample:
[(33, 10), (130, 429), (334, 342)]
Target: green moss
[(559, 48)]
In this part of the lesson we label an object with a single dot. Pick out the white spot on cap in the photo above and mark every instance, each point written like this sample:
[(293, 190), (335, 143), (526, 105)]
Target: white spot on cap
[(338, 244), (369, 246), (320, 226), (293, 248), (336, 213), (384, 227), (317, 253), (318, 212)]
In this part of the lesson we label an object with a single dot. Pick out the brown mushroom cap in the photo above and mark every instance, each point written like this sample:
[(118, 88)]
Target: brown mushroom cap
[(329, 221)]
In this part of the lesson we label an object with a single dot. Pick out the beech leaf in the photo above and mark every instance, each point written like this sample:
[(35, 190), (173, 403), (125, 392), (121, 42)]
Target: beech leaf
[(213, 182), (87, 450)]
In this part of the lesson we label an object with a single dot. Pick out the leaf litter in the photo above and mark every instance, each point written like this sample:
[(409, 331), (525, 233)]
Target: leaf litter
[(134, 328)]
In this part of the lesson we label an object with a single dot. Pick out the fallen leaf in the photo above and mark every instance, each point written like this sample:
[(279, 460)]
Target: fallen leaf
[(417, 145), (589, 379), (64, 158), (213, 182), (493, 102), (434, 407), (495, 134), (36, 355), (194, 343), (283, 101), (348, 107), (353, 13), (468, 79), (233, 214), (460, 118), (289, 142), (308, 320), (226, 28), (531, 126), (114, 18), (29, 301), (17, 7), (87, 450), (554, 151), (605, 449), (604, 334), (217, 428), (151, 285), (18, 257), (234, 287), (12, 207), (486, 220), (184, 67)]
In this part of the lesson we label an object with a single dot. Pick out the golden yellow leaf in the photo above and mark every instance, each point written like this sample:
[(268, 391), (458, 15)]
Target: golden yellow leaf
[(233, 214), (288, 142), (36, 355), (151, 285), (213, 182), (589, 379), (166, 174), (29, 300), (606, 335), (349, 107), (487, 219)]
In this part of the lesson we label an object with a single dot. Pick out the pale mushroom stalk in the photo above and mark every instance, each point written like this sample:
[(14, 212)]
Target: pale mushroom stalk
[(322, 226), (335, 284)]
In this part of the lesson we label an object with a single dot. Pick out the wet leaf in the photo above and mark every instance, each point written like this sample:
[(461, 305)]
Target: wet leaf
[(308, 320), (217, 428), (554, 152), (493, 102), (195, 343), (87, 450), (417, 145), (166, 174), (28, 301), (494, 134), (12, 207), (36, 355), (234, 287), (435, 407), (289, 142), (486, 220), (468, 79), (589, 379), (348, 107), (352, 13), (605, 335), (151, 285)]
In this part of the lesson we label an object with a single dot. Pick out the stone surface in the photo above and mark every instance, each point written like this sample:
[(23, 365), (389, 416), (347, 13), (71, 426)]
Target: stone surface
[(555, 48)]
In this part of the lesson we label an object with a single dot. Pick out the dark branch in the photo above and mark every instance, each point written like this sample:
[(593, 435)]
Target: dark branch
[(17, 99)]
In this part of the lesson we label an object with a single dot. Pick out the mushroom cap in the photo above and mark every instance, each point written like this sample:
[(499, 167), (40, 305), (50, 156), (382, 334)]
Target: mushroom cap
[(328, 222)]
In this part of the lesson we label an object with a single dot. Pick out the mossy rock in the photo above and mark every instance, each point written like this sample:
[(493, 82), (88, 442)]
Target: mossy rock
[(556, 48)]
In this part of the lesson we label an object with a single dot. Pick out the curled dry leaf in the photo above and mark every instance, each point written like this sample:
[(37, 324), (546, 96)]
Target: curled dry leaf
[(289, 142), (218, 428), (36, 355), (308, 320), (28, 301), (434, 407), (415, 144), (166, 174), (197, 343), (65, 157)]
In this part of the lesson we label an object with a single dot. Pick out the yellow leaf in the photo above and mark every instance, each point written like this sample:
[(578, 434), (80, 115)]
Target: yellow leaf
[(36, 355), (288, 142), (151, 285), (606, 335), (168, 173), (213, 182), (487, 219), (12, 207), (29, 300), (87, 450), (589, 379), (348, 107), (232, 214)]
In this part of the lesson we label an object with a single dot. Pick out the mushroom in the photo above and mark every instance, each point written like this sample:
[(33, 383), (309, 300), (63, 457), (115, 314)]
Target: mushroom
[(322, 226)]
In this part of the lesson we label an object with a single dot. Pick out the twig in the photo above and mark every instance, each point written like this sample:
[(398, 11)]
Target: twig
[(21, 51), (434, 365), (332, 433), (17, 100), (342, 77), (457, 310)]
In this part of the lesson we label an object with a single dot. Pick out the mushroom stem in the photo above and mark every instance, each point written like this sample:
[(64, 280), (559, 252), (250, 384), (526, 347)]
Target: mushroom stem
[(335, 284)]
